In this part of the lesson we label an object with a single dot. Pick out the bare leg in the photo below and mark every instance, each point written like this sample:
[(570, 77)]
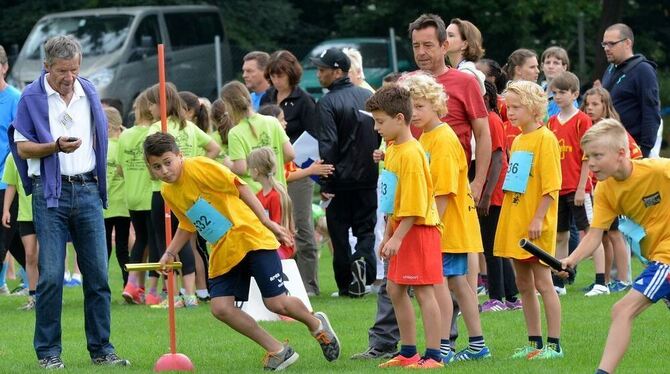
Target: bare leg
[(292, 307), (467, 301), (525, 282), (552, 305), (473, 270), (404, 312), (443, 297), (562, 240), (30, 245), (430, 313), (609, 257), (621, 255)]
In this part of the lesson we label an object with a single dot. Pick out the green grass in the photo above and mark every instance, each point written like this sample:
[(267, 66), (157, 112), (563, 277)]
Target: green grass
[(140, 334)]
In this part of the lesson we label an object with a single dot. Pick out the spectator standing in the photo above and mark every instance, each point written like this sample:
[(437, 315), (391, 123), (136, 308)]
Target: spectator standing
[(253, 73)]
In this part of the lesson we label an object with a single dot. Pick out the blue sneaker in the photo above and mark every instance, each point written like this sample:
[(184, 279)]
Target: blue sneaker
[(618, 286), (449, 358), (588, 288), (469, 355)]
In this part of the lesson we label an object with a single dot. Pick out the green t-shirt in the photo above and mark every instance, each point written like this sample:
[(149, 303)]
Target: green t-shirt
[(130, 155), (11, 176), (269, 133), (116, 199), (190, 139), (224, 147)]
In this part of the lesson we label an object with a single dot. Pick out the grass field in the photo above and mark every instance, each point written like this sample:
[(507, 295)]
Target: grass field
[(140, 334)]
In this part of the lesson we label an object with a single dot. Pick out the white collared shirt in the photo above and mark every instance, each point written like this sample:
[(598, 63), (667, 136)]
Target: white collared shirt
[(73, 120)]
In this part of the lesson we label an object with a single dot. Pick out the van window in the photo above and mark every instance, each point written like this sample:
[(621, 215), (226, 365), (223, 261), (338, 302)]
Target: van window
[(192, 29), (98, 35), (148, 28)]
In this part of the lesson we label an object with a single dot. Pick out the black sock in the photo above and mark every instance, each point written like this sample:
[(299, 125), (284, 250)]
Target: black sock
[(31, 292), (558, 282), (407, 350), (601, 371), (511, 299), (535, 341), (600, 279), (555, 343), (434, 354)]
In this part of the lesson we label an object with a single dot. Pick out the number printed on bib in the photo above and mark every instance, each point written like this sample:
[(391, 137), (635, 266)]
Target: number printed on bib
[(518, 172), (387, 187), (210, 223)]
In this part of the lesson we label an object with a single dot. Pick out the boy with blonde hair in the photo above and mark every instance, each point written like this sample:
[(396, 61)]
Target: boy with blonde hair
[(411, 242), (456, 208), (639, 190)]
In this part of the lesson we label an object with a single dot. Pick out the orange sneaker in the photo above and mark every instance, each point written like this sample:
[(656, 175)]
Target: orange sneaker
[(150, 299), (426, 363), (400, 361), (133, 294)]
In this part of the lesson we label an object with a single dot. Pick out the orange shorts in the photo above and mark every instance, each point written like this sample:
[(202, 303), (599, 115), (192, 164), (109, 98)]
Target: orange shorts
[(419, 259)]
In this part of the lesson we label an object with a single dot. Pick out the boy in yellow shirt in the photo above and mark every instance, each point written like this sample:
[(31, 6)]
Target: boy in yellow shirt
[(411, 242), (457, 209), (639, 190), (207, 197)]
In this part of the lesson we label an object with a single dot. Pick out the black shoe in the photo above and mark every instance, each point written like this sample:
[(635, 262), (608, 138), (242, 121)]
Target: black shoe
[(358, 274), (51, 362), (110, 359), (373, 353)]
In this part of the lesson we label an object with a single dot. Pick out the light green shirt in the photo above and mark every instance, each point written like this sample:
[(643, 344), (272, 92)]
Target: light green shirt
[(116, 200), (11, 176), (130, 155), (268, 133), (224, 147)]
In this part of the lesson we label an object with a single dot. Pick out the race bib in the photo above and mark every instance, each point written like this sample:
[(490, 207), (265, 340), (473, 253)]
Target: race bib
[(388, 183), (518, 172), (633, 233), (210, 223)]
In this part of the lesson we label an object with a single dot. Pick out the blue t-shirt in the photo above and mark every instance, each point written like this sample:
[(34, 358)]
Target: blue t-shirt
[(256, 100), (9, 100)]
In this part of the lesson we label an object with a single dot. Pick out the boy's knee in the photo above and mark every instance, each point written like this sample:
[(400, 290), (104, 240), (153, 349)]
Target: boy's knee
[(621, 310), (277, 306), (222, 312)]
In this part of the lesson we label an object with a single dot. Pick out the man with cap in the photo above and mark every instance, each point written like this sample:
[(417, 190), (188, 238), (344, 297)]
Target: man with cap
[(346, 140)]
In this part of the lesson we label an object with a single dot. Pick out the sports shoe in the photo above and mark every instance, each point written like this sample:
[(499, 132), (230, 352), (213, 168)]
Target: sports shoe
[(666, 300), (280, 360), (51, 362), (546, 353), (132, 294), (73, 282), (151, 299), (330, 344), (373, 353), (588, 288), (29, 305), (524, 352), (4, 290), (493, 305), (482, 291), (448, 358), (514, 305), (426, 363), (189, 301), (20, 291), (358, 274), (110, 359), (469, 355), (400, 361), (618, 286), (178, 303), (597, 290), (561, 291)]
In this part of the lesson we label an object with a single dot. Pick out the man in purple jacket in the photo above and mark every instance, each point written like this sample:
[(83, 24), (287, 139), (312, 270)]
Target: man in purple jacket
[(59, 142)]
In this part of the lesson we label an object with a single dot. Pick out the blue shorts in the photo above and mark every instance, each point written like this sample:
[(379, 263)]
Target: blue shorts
[(264, 266), (454, 264), (654, 282)]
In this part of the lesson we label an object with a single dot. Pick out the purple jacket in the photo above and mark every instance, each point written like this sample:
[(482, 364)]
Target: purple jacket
[(32, 121)]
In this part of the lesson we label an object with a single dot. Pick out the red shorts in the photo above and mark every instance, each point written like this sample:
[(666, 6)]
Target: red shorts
[(285, 252), (419, 259)]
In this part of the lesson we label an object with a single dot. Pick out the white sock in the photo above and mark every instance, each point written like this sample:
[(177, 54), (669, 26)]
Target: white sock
[(202, 293), (76, 276)]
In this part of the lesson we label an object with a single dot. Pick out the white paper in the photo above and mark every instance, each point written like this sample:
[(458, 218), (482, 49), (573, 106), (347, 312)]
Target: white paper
[(306, 147)]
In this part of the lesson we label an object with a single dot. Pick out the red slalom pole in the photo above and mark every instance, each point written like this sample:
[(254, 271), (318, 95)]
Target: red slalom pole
[(172, 361)]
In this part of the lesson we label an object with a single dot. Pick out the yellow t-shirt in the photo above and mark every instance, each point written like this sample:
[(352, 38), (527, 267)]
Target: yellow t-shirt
[(204, 178), (449, 171), (518, 209), (414, 190), (644, 197)]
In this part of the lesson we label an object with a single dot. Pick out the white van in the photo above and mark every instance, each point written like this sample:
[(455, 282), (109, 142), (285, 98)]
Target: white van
[(119, 48)]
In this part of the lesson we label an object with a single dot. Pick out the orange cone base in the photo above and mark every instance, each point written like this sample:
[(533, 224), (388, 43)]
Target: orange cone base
[(173, 362)]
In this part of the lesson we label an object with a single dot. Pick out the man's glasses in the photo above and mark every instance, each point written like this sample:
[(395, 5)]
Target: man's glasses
[(611, 44)]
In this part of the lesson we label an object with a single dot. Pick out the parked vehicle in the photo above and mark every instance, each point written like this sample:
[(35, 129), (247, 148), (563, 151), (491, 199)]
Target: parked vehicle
[(377, 60), (119, 48)]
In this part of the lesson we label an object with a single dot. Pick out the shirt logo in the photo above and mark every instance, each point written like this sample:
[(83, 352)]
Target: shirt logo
[(651, 200), (564, 148)]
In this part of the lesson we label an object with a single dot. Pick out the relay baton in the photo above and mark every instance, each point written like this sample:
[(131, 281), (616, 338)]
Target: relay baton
[(544, 256), (152, 266)]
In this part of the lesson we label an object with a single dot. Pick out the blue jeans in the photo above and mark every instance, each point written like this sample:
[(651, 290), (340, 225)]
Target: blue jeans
[(79, 213)]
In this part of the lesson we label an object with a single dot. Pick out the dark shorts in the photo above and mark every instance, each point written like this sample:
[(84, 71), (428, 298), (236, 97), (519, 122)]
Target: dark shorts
[(264, 266), (26, 228), (568, 210), (615, 225)]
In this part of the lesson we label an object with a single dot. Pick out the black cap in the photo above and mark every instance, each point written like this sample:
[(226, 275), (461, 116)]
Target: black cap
[(332, 58)]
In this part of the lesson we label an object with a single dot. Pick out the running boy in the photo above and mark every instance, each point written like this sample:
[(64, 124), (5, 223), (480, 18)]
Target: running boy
[(529, 210), (455, 206), (638, 189), (574, 201), (207, 196), (411, 242)]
